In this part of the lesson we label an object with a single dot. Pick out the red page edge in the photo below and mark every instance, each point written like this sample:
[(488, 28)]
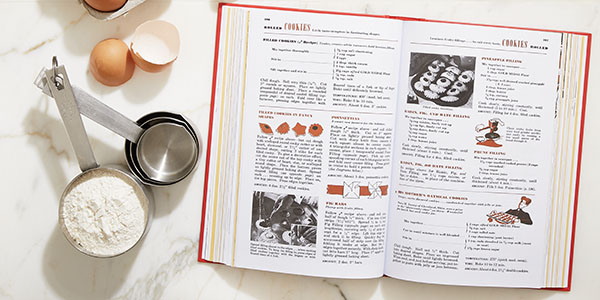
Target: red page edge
[(212, 103), (210, 125), (579, 154)]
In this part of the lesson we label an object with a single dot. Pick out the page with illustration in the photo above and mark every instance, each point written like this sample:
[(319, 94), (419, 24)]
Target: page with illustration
[(473, 161), (317, 119)]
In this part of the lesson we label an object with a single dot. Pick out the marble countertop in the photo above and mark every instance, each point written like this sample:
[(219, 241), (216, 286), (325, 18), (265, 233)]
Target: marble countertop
[(36, 262)]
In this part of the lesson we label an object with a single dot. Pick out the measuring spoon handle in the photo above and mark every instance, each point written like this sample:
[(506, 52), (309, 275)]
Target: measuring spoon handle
[(60, 88), (106, 116)]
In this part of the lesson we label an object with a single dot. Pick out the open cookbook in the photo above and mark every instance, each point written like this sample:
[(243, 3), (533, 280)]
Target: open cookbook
[(359, 146)]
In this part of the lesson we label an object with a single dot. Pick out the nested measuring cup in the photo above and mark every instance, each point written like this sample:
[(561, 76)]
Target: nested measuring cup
[(181, 164), (58, 85), (162, 148)]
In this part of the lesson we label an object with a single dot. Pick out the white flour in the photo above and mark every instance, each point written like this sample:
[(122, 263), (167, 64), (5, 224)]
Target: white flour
[(104, 212)]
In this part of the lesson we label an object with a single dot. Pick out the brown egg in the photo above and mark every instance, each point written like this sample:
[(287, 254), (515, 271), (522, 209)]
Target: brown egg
[(106, 5), (111, 63)]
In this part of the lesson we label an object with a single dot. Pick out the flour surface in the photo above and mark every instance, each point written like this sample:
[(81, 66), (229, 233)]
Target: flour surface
[(104, 212)]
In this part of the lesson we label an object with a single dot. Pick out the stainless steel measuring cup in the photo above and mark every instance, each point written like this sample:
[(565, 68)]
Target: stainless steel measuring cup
[(161, 152), (150, 120), (60, 88)]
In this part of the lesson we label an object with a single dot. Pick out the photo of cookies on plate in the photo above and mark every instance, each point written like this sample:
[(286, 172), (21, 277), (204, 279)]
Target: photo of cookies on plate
[(442, 80)]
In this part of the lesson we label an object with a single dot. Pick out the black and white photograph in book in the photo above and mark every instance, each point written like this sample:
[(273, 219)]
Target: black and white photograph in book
[(284, 219), (443, 80)]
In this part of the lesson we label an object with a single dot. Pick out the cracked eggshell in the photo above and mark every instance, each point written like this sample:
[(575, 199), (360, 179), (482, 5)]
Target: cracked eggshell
[(155, 45)]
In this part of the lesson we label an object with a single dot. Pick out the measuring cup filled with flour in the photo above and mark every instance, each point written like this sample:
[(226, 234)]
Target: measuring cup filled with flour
[(104, 211)]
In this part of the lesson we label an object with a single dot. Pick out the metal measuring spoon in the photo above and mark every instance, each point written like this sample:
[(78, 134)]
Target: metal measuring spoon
[(60, 88), (166, 153)]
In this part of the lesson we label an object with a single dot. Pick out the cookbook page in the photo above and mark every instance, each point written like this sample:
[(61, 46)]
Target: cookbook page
[(318, 108), (473, 155)]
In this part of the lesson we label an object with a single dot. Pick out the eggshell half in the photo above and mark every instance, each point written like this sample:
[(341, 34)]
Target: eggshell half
[(155, 45)]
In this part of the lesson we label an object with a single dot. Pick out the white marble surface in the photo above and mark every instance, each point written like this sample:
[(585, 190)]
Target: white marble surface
[(36, 262)]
